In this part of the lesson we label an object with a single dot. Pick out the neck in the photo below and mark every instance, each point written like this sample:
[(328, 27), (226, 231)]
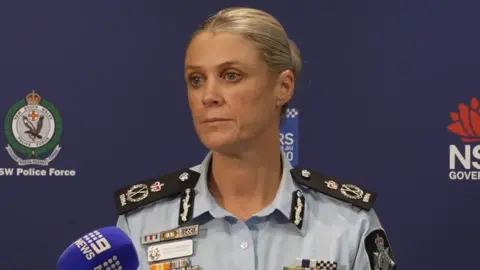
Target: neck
[(245, 184)]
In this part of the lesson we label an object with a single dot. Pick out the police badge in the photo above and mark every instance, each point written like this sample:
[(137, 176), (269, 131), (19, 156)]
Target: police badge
[(33, 127), (379, 251)]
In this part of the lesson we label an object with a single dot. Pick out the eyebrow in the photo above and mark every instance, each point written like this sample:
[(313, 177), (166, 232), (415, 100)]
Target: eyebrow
[(224, 64)]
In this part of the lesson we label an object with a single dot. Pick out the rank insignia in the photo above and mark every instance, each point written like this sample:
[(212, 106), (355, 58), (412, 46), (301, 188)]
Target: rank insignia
[(330, 186), (178, 233), (156, 187), (152, 190)]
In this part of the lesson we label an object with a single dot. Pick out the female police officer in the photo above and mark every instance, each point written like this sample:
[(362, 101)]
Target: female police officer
[(244, 207)]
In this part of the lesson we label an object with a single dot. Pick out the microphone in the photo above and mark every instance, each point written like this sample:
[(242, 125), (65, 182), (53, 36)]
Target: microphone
[(107, 248)]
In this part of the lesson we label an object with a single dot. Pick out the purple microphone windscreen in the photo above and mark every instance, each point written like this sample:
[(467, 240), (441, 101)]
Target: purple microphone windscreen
[(102, 249)]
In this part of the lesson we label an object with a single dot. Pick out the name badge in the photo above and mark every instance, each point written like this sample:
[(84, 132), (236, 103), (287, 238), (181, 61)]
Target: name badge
[(170, 250)]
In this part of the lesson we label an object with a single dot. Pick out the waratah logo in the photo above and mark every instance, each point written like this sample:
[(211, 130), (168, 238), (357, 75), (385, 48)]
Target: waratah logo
[(465, 159), (467, 121)]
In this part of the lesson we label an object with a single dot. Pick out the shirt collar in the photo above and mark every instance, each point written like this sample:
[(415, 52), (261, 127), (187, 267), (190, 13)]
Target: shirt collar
[(283, 199), (205, 203)]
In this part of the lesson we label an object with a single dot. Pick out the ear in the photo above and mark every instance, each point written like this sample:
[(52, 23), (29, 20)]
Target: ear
[(285, 87)]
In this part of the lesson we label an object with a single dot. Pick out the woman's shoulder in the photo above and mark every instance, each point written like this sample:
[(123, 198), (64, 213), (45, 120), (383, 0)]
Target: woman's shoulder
[(333, 195), (144, 194)]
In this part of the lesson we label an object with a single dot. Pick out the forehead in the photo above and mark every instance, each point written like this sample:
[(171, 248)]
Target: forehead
[(209, 50)]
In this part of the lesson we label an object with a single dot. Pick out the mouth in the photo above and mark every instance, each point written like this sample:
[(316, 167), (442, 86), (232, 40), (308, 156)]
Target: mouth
[(214, 120)]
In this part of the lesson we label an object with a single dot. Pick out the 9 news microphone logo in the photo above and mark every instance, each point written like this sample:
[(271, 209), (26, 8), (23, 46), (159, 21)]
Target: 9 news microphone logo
[(108, 248), (93, 244)]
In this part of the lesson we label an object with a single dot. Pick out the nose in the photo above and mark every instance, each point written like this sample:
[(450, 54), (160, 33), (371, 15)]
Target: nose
[(212, 95)]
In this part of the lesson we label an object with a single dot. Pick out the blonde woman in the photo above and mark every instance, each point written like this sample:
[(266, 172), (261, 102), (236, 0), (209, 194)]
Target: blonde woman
[(244, 206)]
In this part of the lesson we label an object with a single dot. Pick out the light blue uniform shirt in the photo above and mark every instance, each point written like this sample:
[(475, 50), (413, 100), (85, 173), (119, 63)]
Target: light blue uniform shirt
[(332, 230)]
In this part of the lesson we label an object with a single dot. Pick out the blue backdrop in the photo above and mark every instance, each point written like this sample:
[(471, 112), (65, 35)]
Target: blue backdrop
[(381, 79)]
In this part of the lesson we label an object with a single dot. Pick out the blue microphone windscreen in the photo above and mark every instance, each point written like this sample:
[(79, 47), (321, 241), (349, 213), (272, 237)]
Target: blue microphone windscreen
[(102, 249)]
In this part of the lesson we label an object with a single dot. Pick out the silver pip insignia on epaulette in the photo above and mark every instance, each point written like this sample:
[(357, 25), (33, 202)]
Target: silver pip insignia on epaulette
[(297, 210)]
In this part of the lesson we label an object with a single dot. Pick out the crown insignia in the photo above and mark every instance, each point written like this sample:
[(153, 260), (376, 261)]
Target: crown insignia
[(466, 122), (33, 98)]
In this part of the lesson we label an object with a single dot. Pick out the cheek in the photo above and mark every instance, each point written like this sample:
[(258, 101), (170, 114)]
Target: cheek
[(250, 106), (194, 102)]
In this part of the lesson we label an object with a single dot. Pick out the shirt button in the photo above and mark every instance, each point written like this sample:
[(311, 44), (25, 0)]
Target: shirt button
[(244, 245)]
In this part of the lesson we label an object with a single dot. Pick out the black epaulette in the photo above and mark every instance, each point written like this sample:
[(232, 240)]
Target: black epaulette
[(328, 185), (145, 192)]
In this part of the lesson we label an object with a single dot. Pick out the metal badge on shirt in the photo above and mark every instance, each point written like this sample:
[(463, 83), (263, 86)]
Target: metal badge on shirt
[(297, 210), (186, 206), (379, 251), (178, 233), (170, 250), (139, 192), (355, 193)]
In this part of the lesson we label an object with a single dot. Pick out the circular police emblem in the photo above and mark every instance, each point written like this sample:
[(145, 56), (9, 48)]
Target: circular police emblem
[(351, 191), (33, 127)]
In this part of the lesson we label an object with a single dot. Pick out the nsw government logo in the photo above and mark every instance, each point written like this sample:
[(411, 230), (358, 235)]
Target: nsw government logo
[(289, 135), (464, 159), (33, 128)]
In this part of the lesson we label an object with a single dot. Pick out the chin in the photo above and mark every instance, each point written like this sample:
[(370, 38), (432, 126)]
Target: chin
[(216, 140), (219, 142)]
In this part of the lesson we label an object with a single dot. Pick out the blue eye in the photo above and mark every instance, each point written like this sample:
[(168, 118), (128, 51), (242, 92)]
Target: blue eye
[(231, 76), (196, 80)]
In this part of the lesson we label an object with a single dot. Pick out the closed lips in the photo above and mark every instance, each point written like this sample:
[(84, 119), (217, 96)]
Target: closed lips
[(211, 120)]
